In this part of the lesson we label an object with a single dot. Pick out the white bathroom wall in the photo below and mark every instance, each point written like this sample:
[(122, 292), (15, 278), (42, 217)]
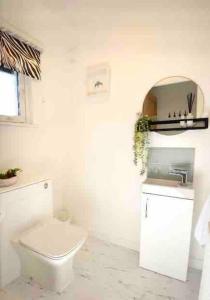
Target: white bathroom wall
[(87, 142), (40, 149)]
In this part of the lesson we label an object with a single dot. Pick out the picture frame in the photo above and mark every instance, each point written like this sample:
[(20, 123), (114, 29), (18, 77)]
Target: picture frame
[(98, 79)]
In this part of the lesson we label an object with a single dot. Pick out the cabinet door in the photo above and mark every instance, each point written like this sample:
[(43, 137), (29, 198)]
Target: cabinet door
[(165, 235)]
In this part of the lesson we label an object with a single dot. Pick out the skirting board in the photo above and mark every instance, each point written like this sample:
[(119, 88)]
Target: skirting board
[(194, 263), (116, 241)]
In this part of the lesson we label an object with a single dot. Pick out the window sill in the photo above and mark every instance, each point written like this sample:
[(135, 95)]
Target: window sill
[(28, 125)]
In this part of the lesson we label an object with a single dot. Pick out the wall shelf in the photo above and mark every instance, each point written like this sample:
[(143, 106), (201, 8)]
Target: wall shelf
[(198, 123)]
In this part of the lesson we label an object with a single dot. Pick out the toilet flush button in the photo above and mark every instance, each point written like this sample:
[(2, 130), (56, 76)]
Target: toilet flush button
[(46, 185)]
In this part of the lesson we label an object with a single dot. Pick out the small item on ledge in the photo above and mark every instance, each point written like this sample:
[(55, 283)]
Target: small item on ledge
[(169, 115), (9, 177), (180, 114), (174, 115), (183, 123), (185, 114), (189, 122), (205, 114), (190, 101)]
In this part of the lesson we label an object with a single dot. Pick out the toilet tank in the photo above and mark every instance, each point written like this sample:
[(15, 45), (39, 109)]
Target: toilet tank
[(21, 207)]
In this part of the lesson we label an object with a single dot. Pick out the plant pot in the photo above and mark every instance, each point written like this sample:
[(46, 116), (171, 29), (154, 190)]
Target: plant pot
[(8, 181)]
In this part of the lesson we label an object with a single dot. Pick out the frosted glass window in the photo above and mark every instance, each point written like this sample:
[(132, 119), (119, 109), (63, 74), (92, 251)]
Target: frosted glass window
[(9, 102)]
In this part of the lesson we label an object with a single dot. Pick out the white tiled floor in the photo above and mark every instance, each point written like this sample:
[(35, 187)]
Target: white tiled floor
[(6, 295), (107, 272)]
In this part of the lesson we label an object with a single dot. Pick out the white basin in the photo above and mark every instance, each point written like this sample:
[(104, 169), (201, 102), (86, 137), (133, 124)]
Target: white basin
[(163, 182), (169, 188)]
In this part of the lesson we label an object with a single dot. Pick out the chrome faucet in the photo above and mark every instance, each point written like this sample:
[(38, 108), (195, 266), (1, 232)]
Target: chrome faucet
[(181, 173)]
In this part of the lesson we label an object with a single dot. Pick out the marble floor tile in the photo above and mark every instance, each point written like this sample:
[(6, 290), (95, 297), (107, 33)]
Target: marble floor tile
[(105, 271), (5, 295)]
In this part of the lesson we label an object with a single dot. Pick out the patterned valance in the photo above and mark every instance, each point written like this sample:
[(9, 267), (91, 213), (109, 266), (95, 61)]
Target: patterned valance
[(19, 56)]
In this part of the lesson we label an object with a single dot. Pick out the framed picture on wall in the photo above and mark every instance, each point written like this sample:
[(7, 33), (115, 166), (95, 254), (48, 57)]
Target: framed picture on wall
[(98, 79)]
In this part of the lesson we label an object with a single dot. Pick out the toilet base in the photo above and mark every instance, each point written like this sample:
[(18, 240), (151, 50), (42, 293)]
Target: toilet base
[(51, 274)]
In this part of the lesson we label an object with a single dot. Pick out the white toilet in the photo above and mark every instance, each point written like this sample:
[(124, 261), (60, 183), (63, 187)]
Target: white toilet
[(47, 250), (45, 246)]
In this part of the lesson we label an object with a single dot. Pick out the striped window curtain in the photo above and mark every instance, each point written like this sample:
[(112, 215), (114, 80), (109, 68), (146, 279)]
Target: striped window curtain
[(19, 56)]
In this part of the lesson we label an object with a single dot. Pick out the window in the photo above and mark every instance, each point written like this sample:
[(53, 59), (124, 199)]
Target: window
[(12, 97)]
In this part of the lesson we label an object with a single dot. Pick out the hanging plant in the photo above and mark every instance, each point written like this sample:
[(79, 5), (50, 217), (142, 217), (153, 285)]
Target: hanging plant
[(141, 143)]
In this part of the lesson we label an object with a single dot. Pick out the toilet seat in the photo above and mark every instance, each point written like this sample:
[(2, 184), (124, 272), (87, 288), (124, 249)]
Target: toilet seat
[(53, 239)]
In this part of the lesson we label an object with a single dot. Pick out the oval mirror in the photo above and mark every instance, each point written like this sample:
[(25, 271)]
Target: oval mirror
[(172, 104)]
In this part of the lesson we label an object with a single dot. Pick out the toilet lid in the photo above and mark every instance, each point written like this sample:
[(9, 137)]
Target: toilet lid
[(53, 238)]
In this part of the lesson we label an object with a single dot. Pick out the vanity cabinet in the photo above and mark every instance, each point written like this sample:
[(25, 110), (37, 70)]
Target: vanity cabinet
[(165, 233)]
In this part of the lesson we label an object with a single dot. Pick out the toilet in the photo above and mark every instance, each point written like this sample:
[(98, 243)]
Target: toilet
[(46, 252), (32, 242)]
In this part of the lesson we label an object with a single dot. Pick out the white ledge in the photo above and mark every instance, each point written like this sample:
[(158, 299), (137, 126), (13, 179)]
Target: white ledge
[(29, 125)]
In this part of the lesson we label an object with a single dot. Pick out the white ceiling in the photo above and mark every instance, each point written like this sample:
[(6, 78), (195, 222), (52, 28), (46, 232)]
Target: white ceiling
[(66, 20)]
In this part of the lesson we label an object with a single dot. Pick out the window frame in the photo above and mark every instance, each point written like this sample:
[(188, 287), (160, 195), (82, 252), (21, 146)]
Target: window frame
[(22, 102)]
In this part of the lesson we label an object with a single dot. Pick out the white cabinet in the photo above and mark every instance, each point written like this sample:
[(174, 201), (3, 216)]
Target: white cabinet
[(21, 206), (165, 234)]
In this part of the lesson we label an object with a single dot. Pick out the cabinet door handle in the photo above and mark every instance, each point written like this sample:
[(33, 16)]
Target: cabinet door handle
[(146, 209)]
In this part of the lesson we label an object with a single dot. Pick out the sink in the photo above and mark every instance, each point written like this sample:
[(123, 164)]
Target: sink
[(169, 188), (163, 182)]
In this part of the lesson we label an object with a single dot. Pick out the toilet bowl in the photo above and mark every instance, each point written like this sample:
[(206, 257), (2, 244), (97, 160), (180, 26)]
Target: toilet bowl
[(46, 252)]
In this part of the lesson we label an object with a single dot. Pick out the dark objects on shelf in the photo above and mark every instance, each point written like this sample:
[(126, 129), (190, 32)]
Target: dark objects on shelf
[(198, 123)]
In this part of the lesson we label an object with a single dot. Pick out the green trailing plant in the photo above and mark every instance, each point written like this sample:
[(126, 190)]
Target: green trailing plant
[(9, 173), (141, 143)]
